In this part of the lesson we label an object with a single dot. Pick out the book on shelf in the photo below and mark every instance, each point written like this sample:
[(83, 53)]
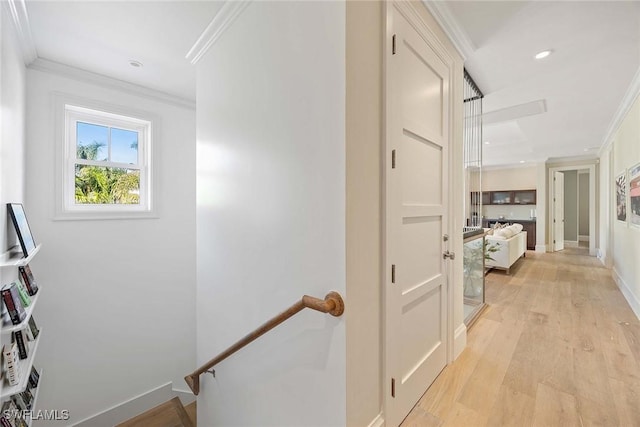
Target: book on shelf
[(25, 299), (20, 422), (6, 319), (11, 300), (23, 400), (20, 402), (9, 414), (12, 366), (32, 331), (27, 394), (34, 377), (21, 342), (26, 275)]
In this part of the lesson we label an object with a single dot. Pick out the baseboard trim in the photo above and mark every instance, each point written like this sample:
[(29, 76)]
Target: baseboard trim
[(570, 243), (603, 258), (129, 408), (378, 421), (633, 301), (459, 340), (583, 238), (541, 248)]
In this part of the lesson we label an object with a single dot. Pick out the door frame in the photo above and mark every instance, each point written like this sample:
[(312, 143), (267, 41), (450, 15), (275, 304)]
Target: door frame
[(558, 244), (592, 203), (413, 17)]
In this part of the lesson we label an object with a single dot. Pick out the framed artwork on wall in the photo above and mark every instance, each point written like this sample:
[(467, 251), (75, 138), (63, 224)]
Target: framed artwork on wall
[(634, 196), (19, 219), (621, 197)]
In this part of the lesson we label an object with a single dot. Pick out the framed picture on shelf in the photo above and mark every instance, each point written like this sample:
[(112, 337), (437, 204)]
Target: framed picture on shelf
[(634, 196), (16, 211), (621, 197)]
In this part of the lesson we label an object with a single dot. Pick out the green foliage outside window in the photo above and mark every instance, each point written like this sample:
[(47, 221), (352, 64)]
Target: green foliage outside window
[(104, 185)]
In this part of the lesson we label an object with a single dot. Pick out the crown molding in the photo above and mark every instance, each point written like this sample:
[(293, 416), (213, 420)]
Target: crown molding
[(45, 65), (588, 159), (218, 25), (627, 102), (451, 27), (18, 12), (409, 11), (510, 166)]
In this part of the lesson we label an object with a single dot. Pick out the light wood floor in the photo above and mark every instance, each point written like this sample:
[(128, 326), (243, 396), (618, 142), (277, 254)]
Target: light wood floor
[(558, 346), (168, 414)]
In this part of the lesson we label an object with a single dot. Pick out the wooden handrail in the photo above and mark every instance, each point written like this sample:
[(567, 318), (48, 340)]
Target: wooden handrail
[(332, 304)]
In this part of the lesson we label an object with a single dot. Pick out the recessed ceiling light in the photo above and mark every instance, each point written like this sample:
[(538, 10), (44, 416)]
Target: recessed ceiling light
[(136, 64), (521, 161), (543, 54), (487, 142)]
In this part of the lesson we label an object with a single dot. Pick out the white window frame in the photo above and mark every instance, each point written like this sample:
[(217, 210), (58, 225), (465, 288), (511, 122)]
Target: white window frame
[(69, 111)]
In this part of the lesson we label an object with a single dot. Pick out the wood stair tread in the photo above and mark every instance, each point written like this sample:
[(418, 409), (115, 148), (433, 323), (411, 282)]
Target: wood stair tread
[(168, 414)]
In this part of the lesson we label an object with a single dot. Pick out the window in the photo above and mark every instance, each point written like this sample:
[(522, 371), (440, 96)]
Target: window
[(106, 165)]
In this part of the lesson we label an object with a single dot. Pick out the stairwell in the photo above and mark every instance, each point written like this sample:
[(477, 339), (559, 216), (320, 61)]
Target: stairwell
[(169, 414)]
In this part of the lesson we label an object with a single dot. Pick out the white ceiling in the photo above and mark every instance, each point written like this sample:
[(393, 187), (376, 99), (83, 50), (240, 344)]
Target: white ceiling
[(596, 48), (103, 36), (596, 55)]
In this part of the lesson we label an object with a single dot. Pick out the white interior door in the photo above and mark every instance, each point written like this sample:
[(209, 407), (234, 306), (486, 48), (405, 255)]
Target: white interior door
[(558, 211), (416, 218)]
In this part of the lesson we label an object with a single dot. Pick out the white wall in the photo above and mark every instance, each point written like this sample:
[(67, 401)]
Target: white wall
[(364, 29), (522, 178), (625, 245), (571, 206), (583, 204), (541, 207), (12, 139), (606, 218), (271, 214), (12, 133), (118, 296)]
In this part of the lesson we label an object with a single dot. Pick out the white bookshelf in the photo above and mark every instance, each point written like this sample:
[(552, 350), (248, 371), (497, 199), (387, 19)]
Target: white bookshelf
[(25, 370), (15, 258), (8, 328), (35, 398)]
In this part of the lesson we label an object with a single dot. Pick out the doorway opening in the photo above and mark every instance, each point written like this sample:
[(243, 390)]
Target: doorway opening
[(572, 209)]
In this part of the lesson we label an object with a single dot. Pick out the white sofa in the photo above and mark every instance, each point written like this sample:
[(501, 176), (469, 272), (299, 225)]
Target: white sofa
[(510, 249)]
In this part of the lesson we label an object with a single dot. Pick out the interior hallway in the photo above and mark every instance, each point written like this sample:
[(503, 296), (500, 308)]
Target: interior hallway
[(557, 346)]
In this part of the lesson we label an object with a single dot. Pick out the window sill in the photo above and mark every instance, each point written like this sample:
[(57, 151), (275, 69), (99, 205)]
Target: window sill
[(91, 216)]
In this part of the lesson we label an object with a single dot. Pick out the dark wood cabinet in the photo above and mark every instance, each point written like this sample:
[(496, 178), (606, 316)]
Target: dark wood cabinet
[(530, 228), (501, 197), (524, 197), (507, 197)]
